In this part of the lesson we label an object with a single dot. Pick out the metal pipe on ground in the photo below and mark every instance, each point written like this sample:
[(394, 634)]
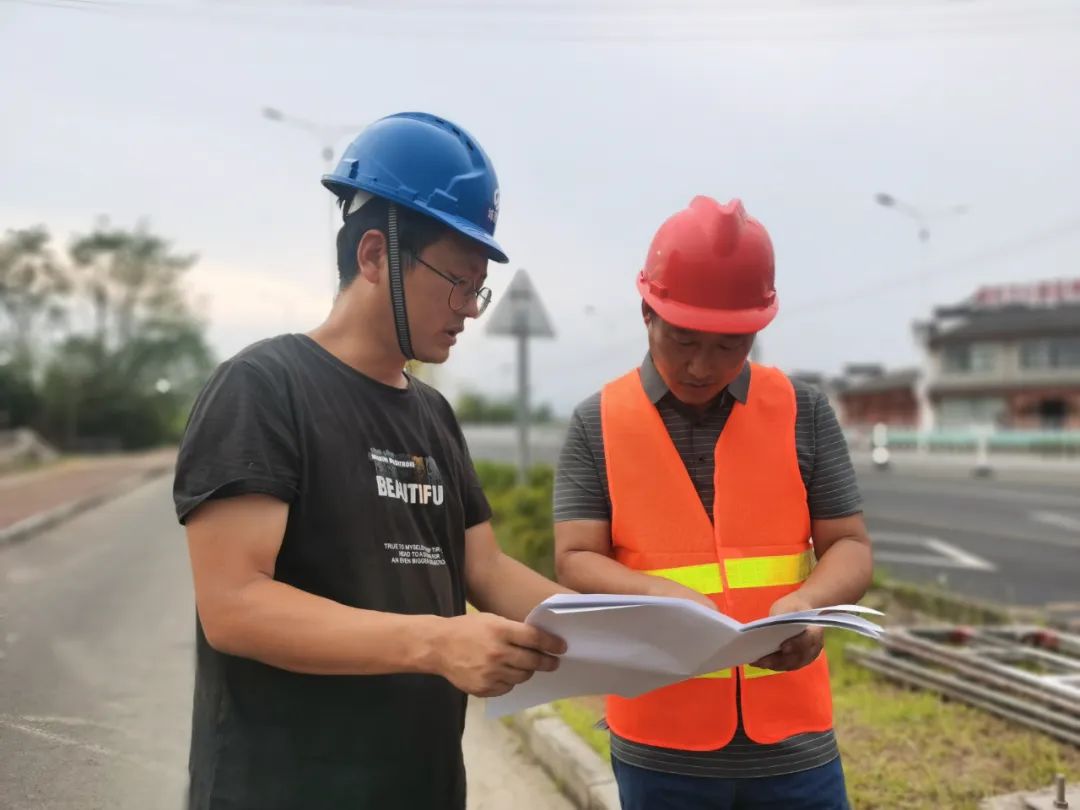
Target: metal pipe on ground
[(1042, 688), (914, 674)]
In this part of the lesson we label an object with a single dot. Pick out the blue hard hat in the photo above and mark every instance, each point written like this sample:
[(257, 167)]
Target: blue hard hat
[(427, 164)]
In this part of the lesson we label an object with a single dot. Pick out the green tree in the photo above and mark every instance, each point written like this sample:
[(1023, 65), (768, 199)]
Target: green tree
[(33, 293), (129, 382), (131, 279), (20, 402), (474, 407)]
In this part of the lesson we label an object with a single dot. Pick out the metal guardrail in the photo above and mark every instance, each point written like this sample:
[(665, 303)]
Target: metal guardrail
[(1025, 674), (961, 440)]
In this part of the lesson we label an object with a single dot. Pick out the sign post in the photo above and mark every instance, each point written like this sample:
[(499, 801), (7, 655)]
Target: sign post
[(519, 314)]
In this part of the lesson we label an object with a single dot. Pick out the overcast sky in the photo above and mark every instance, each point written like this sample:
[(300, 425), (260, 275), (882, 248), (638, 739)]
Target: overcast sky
[(602, 119)]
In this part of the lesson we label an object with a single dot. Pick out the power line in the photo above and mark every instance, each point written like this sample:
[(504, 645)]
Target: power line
[(975, 261), (680, 23)]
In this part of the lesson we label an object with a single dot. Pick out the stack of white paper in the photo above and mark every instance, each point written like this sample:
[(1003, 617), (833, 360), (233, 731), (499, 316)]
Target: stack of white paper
[(629, 645)]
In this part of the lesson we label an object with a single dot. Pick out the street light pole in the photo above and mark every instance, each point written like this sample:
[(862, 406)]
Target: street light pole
[(922, 219), (328, 135)]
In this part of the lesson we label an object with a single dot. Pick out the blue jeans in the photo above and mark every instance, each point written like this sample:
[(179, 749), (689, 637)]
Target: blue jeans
[(820, 788)]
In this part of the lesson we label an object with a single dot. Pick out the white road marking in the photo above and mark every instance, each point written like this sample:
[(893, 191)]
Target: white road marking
[(94, 748), (1056, 519), (942, 554)]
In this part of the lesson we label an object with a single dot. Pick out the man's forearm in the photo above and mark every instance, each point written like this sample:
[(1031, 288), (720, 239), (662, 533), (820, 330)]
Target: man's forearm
[(510, 588), (842, 575), (591, 572), (285, 627)]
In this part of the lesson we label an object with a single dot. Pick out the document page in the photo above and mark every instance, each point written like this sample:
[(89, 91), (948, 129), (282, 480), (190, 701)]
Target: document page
[(628, 644)]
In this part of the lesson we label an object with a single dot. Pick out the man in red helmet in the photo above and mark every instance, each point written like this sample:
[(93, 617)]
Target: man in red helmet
[(704, 476)]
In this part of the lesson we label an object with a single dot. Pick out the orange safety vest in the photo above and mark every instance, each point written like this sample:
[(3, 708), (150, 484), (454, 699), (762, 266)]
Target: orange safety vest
[(756, 550)]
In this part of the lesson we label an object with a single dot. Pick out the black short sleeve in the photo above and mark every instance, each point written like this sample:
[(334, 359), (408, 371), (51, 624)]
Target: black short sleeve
[(380, 492), (477, 508), (240, 439)]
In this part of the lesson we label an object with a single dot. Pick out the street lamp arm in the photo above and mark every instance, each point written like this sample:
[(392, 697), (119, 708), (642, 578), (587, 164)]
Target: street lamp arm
[(274, 114), (327, 134), (920, 216)]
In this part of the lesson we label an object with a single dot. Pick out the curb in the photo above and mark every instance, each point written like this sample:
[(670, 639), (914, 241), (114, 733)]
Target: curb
[(28, 527), (578, 771), (1033, 799)]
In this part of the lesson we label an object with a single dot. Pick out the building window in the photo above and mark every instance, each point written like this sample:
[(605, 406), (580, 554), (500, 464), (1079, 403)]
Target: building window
[(956, 358), (1061, 352), (965, 358), (1035, 354), (967, 411), (1053, 414)]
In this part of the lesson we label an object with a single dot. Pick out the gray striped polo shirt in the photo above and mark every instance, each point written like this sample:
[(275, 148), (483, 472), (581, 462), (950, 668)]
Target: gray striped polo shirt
[(581, 493)]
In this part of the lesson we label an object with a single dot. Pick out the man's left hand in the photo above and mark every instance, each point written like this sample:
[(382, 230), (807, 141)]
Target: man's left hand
[(797, 651)]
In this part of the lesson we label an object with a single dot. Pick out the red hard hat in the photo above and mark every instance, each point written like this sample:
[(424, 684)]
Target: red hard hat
[(710, 268)]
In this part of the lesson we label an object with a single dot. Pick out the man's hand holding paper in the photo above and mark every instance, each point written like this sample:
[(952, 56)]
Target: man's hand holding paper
[(797, 651)]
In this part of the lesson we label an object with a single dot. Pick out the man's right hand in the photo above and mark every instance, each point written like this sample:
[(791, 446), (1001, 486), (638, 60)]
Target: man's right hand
[(486, 655)]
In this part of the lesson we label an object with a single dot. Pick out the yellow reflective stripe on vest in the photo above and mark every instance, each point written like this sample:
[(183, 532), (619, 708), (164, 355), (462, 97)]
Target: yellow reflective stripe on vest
[(762, 572), (742, 572), (720, 673), (701, 578), (748, 672), (757, 672)]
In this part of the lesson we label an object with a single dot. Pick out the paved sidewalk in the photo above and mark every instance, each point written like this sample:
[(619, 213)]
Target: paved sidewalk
[(501, 777), (25, 495)]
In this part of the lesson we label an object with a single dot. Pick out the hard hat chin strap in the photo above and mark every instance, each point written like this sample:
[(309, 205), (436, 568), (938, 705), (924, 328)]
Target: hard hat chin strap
[(397, 285)]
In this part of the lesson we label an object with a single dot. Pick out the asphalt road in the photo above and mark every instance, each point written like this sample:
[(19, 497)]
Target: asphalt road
[(96, 666), (96, 633), (1014, 538)]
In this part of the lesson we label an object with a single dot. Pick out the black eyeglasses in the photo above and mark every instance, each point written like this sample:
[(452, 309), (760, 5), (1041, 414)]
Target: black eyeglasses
[(460, 294)]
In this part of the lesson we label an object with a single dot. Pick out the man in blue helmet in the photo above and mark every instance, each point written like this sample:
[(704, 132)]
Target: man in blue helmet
[(335, 522)]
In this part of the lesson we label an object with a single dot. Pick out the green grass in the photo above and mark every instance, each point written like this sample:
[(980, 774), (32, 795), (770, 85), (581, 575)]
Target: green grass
[(581, 715), (939, 602), (905, 748)]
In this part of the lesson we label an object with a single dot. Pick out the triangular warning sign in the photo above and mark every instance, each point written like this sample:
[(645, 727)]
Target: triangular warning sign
[(519, 311)]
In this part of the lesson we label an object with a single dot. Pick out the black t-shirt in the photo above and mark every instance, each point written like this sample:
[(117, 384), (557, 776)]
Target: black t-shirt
[(381, 490)]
